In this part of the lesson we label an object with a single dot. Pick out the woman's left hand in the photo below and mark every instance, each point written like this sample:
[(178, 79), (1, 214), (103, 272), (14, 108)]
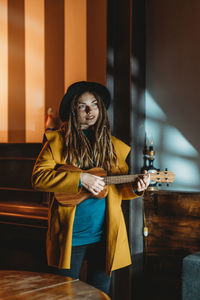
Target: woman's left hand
[(142, 182)]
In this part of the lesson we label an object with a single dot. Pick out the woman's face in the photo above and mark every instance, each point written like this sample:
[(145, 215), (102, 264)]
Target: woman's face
[(87, 110)]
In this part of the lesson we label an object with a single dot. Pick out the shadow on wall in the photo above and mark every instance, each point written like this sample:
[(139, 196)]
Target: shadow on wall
[(174, 149), (172, 81)]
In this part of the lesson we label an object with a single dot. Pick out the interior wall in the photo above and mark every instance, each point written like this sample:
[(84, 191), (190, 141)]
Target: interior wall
[(16, 74), (96, 40), (54, 53), (126, 82), (172, 88), (44, 47)]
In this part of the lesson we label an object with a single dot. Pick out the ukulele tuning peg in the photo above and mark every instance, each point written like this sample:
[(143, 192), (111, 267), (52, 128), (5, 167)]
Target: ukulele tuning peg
[(160, 184)]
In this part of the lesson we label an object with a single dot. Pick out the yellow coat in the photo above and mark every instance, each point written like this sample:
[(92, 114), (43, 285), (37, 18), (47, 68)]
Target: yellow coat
[(60, 221)]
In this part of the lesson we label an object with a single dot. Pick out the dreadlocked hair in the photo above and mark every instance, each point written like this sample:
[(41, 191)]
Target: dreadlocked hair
[(100, 151)]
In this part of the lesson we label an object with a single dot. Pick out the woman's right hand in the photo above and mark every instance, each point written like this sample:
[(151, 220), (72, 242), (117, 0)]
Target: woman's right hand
[(92, 183)]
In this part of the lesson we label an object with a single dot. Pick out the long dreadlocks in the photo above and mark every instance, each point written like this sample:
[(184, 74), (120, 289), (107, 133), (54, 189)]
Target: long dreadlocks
[(88, 153)]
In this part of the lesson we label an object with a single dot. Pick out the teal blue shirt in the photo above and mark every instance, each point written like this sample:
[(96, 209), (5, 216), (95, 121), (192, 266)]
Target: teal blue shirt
[(89, 222), (89, 219)]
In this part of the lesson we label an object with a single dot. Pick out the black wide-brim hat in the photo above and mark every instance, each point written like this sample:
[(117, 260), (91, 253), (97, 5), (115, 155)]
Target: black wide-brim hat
[(77, 89)]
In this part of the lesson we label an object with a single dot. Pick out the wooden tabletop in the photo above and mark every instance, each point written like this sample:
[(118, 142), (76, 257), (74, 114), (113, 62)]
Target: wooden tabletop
[(20, 285)]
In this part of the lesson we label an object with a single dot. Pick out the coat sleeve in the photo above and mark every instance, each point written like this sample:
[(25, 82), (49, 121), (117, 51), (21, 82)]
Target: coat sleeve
[(128, 192), (46, 178)]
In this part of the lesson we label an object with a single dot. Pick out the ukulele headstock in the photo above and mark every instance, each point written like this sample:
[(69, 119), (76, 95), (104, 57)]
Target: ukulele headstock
[(162, 176)]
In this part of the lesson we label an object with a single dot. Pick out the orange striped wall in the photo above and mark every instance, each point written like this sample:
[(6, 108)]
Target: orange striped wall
[(75, 41), (54, 53), (16, 71), (3, 70), (34, 69), (96, 40), (45, 45)]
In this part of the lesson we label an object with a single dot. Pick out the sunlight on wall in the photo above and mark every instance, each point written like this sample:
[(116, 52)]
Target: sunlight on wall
[(153, 110), (3, 71), (173, 151), (174, 141), (153, 131), (186, 171), (34, 68)]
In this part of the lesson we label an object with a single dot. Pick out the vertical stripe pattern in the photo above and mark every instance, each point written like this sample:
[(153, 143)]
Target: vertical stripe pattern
[(16, 71), (3, 71), (34, 69), (31, 66), (54, 53), (43, 49), (75, 41)]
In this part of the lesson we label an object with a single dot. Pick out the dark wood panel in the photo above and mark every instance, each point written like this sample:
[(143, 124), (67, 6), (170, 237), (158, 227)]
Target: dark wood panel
[(21, 195), (173, 222), (16, 174), (172, 233), (19, 203), (21, 150), (173, 203), (17, 161), (23, 247), (24, 214), (23, 211)]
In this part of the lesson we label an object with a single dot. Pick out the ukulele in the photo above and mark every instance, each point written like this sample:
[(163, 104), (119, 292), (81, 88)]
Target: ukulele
[(70, 199)]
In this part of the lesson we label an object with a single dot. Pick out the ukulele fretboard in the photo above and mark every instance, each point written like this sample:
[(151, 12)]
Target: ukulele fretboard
[(120, 179)]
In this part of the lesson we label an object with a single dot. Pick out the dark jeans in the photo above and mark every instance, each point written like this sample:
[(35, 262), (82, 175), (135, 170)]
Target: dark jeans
[(95, 256)]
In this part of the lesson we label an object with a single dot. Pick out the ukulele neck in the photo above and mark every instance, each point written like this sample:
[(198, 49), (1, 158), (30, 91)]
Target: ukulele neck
[(120, 179)]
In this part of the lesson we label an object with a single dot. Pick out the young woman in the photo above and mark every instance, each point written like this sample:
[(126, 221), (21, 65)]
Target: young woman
[(95, 228)]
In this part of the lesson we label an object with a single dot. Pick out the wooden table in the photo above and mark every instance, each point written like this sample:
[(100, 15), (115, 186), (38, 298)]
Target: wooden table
[(20, 285)]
